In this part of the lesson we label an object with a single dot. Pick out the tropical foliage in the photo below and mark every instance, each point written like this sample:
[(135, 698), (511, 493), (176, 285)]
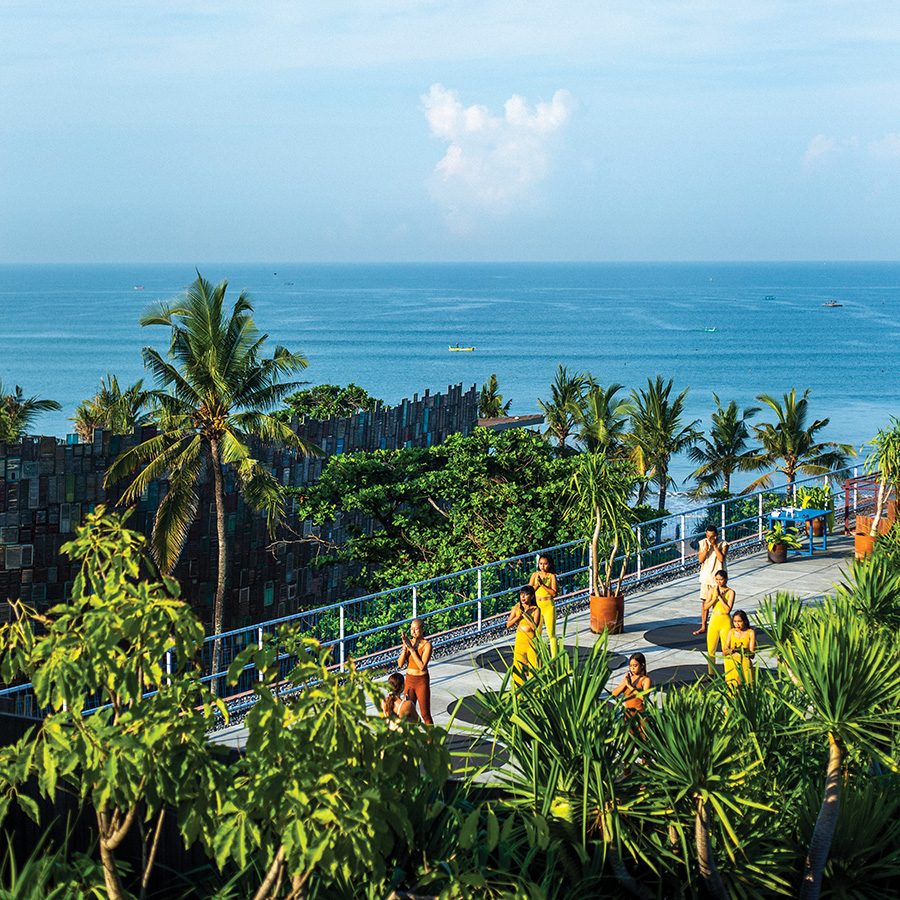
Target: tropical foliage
[(561, 408), (790, 444), (327, 401), (113, 409), (602, 418), (490, 400), (214, 394), (18, 412)]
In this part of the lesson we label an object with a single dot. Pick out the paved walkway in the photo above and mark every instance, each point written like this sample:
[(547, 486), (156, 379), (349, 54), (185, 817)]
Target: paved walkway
[(674, 603)]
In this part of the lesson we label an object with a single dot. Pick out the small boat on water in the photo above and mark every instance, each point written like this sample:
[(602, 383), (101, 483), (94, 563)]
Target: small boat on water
[(458, 349), (832, 304), (710, 330), (138, 287), (769, 297)]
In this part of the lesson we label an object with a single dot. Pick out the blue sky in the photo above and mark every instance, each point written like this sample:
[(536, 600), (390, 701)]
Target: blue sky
[(375, 130)]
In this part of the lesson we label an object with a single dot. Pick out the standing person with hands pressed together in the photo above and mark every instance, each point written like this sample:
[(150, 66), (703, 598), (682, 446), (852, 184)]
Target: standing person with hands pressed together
[(525, 617), (545, 590), (711, 554), (414, 656)]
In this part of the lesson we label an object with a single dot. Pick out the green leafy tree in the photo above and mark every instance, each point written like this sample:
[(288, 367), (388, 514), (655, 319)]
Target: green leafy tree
[(145, 749), (725, 450), (328, 401), (470, 500), (113, 409), (490, 400), (602, 418), (18, 412), (560, 410), (659, 432), (790, 445), (322, 791), (215, 390)]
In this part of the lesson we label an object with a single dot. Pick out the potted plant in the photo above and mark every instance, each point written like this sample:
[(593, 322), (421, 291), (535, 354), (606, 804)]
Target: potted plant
[(817, 496), (598, 498), (883, 461), (779, 540)]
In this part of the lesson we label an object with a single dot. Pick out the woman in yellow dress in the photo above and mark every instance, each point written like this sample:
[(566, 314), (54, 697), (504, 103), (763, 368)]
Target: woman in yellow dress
[(718, 604), (525, 617), (545, 590), (739, 646)]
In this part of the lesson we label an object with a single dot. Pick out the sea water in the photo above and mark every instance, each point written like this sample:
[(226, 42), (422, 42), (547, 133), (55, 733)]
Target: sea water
[(735, 329)]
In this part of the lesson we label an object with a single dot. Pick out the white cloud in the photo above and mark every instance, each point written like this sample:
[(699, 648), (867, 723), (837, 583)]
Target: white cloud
[(819, 150), (887, 148), (492, 162)]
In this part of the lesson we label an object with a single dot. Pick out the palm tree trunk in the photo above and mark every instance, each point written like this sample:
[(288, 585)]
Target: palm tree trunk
[(726, 483), (595, 552), (219, 602), (708, 870), (663, 487), (826, 822)]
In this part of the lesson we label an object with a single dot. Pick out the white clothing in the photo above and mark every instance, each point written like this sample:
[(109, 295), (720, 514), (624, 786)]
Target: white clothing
[(712, 563)]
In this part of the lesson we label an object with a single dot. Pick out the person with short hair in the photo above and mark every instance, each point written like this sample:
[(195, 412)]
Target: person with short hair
[(525, 617), (739, 647), (395, 705), (545, 590), (414, 656), (711, 553)]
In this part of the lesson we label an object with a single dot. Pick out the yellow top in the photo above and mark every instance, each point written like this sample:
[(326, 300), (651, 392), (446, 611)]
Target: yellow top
[(739, 639), (542, 591), (721, 607)]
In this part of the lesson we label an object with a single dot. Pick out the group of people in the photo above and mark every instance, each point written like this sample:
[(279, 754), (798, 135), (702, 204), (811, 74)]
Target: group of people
[(725, 628)]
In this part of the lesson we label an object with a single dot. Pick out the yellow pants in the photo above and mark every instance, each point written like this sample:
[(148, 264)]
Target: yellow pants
[(719, 625), (548, 620), (524, 656), (737, 665)]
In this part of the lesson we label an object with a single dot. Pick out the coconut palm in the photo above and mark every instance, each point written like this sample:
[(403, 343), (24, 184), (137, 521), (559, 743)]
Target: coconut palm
[(789, 445), (490, 401), (18, 412), (725, 450), (658, 431), (848, 680), (215, 390), (602, 418), (113, 409), (560, 410)]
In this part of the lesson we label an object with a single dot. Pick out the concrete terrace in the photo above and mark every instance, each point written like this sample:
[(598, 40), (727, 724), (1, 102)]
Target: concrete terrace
[(675, 603)]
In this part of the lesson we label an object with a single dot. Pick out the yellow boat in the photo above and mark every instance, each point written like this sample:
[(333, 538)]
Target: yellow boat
[(458, 349)]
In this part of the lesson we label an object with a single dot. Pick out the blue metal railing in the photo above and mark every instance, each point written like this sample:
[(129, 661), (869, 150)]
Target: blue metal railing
[(472, 604)]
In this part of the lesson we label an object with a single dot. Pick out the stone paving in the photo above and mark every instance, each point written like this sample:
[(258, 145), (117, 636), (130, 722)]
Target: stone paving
[(674, 603)]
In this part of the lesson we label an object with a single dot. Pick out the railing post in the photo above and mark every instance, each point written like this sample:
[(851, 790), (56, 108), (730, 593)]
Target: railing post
[(415, 603), (259, 644), (341, 610), (723, 519), (640, 552), (479, 599), (683, 541), (855, 496), (760, 514), (794, 494), (168, 666)]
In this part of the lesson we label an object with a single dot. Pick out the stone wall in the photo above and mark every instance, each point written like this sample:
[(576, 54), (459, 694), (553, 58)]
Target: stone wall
[(46, 488)]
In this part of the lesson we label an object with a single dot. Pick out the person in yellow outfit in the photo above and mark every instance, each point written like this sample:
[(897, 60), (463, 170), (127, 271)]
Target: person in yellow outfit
[(718, 606), (739, 646), (545, 590), (525, 617)]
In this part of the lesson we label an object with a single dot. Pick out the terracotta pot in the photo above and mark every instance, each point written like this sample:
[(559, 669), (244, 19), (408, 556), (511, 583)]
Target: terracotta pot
[(608, 613), (863, 544), (864, 524), (818, 527), (778, 553)]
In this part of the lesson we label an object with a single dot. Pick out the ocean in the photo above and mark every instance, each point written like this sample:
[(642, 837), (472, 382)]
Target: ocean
[(738, 329)]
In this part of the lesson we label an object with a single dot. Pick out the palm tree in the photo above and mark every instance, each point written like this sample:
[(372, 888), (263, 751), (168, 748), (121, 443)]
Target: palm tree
[(658, 431), (17, 413), (113, 409), (215, 390), (725, 451), (602, 418), (789, 445), (559, 411), (490, 402)]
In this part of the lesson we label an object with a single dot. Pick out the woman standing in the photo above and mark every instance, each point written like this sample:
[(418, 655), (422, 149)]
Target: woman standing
[(525, 617), (739, 646), (545, 590), (718, 605)]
